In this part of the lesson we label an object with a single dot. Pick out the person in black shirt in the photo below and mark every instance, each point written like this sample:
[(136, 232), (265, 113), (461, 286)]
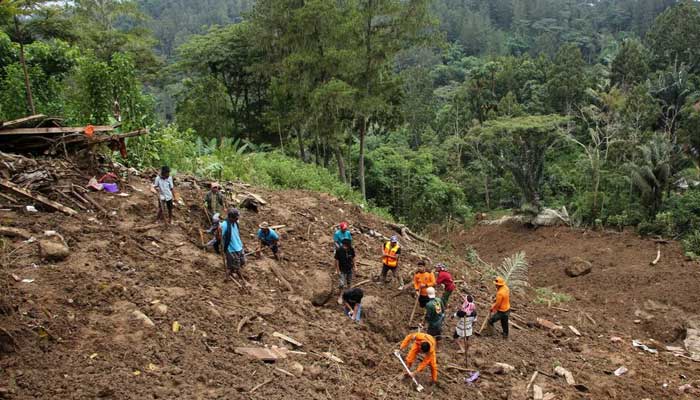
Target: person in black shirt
[(344, 265), (352, 303)]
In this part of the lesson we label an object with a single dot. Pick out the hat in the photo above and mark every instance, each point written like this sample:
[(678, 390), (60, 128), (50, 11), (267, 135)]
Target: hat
[(215, 185), (499, 281), (431, 292), (441, 267), (216, 217), (394, 239), (264, 225), (343, 225)]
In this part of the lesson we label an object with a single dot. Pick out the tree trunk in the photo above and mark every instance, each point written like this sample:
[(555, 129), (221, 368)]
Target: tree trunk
[(23, 61), (487, 195), (361, 164), (341, 164), (302, 153)]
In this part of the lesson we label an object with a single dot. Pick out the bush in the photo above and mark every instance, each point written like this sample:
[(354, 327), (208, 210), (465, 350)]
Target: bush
[(691, 245)]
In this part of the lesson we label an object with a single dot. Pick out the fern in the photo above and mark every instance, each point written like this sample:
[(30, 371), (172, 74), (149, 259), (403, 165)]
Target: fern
[(514, 270)]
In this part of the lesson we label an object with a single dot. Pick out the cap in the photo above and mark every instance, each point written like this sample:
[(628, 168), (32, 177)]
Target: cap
[(431, 292), (441, 267), (264, 225), (216, 217), (394, 239)]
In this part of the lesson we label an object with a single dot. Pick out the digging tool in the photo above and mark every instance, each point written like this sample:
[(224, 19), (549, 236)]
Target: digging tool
[(466, 342), (483, 325), (413, 313), (419, 387)]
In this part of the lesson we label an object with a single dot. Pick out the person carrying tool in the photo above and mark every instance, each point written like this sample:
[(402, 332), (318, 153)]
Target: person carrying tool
[(444, 278), (434, 314), (422, 343), (214, 199), (422, 280), (344, 265), (165, 188), (500, 310), (466, 317), (341, 234), (390, 259), (229, 235), (352, 303), (268, 238)]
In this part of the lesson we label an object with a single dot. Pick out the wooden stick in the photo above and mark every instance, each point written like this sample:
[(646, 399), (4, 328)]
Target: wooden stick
[(284, 372), (261, 385), (37, 197), (413, 313), (362, 283), (278, 274), (242, 323), (532, 380), (560, 309), (154, 254), (658, 255)]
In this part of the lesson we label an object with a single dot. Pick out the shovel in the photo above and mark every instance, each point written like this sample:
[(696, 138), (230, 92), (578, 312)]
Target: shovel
[(419, 387)]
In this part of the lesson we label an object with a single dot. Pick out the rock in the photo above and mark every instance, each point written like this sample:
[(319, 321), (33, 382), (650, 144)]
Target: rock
[(561, 371), (297, 369), (147, 322), (501, 368), (545, 324), (578, 267), (53, 251), (314, 371), (692, 338), (160, 308), (265, 311), (643, 315), (537, 393), (321, 287)]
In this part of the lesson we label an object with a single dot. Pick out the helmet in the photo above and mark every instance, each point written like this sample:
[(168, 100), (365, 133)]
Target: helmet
[(431, 292), (499, 281), (215, 218), (394, 239), (441, 267), (343, 225)]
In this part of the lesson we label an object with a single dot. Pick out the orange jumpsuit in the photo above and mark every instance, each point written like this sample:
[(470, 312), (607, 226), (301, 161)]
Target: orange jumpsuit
[(424, 278), (428, 359)]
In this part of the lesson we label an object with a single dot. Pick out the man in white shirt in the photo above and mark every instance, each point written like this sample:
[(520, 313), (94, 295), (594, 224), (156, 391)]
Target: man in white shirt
[(166, 192)]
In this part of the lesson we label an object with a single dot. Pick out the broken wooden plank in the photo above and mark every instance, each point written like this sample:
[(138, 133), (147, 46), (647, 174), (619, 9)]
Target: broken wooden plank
[(22, 121), (332, 357), (516, 326), (362, 283), (37, 197), (260, 353), (284, 371), (288, 339), (15, 232), (51, 131)]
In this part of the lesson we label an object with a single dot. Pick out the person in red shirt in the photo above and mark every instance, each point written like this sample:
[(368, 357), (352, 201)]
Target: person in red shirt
[(444, 278)]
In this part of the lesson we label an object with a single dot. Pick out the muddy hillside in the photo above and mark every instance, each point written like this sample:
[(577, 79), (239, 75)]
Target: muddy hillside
[(105, 303)]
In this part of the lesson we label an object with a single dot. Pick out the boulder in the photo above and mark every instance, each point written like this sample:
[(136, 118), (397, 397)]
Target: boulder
[(52, 250), (147, 322), (692, 338), (578, 267)]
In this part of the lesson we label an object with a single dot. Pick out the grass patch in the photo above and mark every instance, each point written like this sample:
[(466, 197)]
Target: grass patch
[(548, 296)]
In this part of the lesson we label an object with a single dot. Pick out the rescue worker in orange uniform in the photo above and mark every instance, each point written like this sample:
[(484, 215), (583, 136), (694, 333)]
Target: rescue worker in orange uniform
[(422, 280), (422, 343), (390, 258), (500, 310)]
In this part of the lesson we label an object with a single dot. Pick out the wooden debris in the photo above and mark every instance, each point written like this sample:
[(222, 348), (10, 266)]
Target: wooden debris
[(284, 371), (111, 138), (37, 197), (22, 121), (261, 385), (549, 396), (405, 231), (278, 273), (574, 330), (560, 309), (242, 323), (537, 393), (516, 326), (331, 357), (51, 130), (590, 318), (260, 353), (358, 284), (561, 371), (543, 323), (532, 380), (15, 232), (288, 339), (658, 255)]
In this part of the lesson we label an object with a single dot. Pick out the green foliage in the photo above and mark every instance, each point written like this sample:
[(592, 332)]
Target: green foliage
[(630, 66), (675, 36), (514, 270), (691, 245), (546, 295), (651, 175)]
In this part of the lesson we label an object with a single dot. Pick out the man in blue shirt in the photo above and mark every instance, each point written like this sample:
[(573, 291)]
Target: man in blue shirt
[(232, 244), (342, 234), (268, 237)]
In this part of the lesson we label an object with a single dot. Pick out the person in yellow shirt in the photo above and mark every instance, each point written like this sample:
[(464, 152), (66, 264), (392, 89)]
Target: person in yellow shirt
[(422, 280), (422, 343), (500, 310)]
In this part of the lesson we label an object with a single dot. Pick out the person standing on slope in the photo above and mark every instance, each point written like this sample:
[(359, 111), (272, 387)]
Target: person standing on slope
[(344, 266), (422, 280), (165, 189), (422, 343), (341, 234), (500, 310), (390, 258), (444, 278), (232, 244), (214, 199), (466, 317), (434, 314)]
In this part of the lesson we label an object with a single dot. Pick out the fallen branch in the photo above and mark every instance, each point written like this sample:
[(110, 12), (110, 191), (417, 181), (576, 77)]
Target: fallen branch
[(242, 323), (560, 309), (288, 339), (284, 372), (37, 197), (406, 231), (532, 380), (278, 274), (658, 255), (362, 283), (154, 254), (261, 385)]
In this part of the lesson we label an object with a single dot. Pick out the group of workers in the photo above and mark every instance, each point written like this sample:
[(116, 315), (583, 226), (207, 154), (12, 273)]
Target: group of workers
[(425, 283), (226, 238)]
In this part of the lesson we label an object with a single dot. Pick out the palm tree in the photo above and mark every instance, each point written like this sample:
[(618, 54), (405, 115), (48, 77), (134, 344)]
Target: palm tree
[(651, 174)]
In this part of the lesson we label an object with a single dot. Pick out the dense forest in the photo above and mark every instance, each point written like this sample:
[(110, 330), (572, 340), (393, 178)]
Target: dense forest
[(428, 110)]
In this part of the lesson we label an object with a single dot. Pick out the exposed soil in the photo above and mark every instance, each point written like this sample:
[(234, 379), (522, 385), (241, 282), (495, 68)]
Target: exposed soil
[(72, 332)]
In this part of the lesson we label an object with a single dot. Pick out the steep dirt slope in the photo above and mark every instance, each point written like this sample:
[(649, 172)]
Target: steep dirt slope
[(72, 332)]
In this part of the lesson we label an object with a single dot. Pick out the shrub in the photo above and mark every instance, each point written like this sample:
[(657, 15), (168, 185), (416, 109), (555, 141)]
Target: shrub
[(691, 245)]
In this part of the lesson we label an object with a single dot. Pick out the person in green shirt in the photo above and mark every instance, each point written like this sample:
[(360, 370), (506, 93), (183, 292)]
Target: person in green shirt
[(434, 314)]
